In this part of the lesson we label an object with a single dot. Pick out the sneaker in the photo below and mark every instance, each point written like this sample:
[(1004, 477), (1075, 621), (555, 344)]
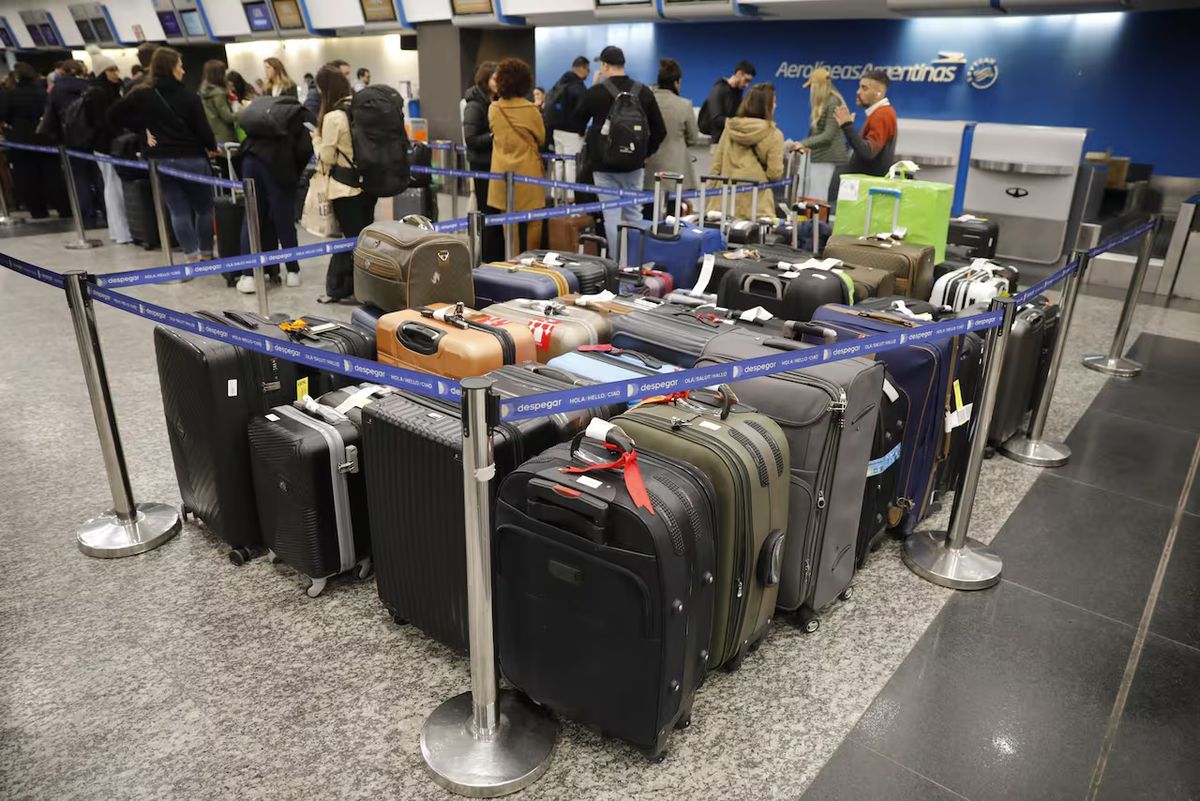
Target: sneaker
[(293, 279), (245, 285)]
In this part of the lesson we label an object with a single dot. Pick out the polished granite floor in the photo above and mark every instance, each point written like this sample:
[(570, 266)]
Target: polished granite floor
[(176, 675)]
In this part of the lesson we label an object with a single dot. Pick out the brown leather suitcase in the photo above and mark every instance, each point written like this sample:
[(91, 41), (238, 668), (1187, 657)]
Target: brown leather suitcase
[(870, 282), (562, 233), (912, 264), (402, 266), (452, 341)]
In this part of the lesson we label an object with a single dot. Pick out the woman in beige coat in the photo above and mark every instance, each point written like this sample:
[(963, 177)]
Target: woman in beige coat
[(517, 135), (751, 147), (680, 119)]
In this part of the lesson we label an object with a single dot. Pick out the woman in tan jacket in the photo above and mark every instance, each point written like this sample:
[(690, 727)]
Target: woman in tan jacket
[(751, 147), (353, 208), (517, 136)]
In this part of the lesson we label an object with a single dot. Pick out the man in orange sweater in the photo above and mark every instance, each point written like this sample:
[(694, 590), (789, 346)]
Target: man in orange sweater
[(874, 150)]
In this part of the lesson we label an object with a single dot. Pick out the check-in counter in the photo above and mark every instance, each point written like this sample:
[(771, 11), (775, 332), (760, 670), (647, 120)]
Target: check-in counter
[(1181, 267), (1024, 176), (935, 146)]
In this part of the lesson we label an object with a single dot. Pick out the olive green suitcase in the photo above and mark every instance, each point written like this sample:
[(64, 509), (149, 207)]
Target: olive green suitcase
[(746, 456)]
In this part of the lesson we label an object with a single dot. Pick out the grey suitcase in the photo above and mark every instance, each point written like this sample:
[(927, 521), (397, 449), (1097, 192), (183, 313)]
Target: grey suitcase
[(828, 413), (557, 328)]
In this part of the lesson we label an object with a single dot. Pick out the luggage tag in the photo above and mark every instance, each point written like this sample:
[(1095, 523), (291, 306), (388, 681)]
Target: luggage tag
[(901, 307), (756, 315), (962, 414), (552, 260), (706, 271), (635, 485), (599, 297)]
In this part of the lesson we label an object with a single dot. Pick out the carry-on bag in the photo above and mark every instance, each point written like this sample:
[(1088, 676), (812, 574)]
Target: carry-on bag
[(323, 333), (1050, 317), (139, 211), (310, 488), (974, 285), (557, 328), (753, 231), (412, 451), (366, 319), (672, 246), (595, 273), (1020, 373), (911, 263), (924, 371), (922, 207), (649, 283), (452, 341), (958, 257), (210, 390), (883, 471), (746, 456), (498, 282), (791, 295), (399, 265), (229, 211), (418, 200), (673, 334), (978, 234), (604, 592), (828, 413)]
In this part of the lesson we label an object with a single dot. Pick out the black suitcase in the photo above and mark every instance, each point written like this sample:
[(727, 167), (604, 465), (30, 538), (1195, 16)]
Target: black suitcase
[(883, 472), (535, 378), (412, 447), (979, 236), (228, 215), (595, 273), (139, 211), (336, 337), (310, 489), (1050, 317), (1019, 377), (968, 373), (767, 258), (419, 200), (791, 295), (603, 610), (210, 390)]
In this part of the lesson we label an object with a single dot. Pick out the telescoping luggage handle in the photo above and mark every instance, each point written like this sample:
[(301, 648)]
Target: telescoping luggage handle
[(880, 190), (726, 195), (659, 197), (798, 188), (811, 209)]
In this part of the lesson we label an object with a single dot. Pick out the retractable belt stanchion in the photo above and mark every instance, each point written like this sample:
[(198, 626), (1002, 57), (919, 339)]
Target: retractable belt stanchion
[(510, 229), (254, 232), (455, 186), (475, 223), (128, 528), (487, 742), (5, 220), (1030, 448), (1114, 363), (83, 243), (160, 212), (950, 558)]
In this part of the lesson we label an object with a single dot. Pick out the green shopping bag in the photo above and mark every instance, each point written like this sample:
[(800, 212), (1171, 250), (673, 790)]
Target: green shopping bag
[(923, 214)]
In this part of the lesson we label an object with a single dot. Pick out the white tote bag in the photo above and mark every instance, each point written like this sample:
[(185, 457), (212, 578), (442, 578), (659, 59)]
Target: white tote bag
[(318, 218)]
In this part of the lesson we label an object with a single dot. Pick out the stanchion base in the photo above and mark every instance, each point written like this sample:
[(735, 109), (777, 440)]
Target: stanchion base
[(9, 222), (83, 244), (511, 760), (1036, 452), (971, 567), (105, 537), (1119, 368)]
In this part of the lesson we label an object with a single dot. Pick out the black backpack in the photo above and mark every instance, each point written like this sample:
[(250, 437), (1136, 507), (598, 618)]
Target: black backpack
[(625, 136), (555, 115), (380, 142), (78, 132), (269, 117)]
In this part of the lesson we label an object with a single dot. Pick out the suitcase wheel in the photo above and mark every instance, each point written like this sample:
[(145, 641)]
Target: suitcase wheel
[(738, 658), (847, 594), (683, 722), (272, 558), (184, 512), (399, 621), (364, 567), (317, 586), (807, 620), (239, 556)]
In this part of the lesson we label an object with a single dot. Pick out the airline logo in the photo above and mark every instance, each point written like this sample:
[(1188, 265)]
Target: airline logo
[(943, 69)]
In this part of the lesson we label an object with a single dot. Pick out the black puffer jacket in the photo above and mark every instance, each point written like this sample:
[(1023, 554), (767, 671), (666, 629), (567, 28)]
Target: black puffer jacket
[(102, 96), (66, 91), (477, 134), (285, 156), (21, 108)]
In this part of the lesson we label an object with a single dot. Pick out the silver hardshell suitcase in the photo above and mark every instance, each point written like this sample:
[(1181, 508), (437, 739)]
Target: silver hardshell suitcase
[(557, 328)]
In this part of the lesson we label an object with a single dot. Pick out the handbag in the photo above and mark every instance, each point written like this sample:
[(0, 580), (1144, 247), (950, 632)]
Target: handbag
[(318, 218)]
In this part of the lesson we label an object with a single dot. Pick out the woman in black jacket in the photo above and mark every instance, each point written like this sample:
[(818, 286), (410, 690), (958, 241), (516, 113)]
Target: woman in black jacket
[(180, 138), (37, 177), (477, 136), (275, 163), (105, 91)]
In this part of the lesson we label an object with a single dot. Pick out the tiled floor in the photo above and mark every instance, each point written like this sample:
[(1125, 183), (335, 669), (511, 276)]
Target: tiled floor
[(176, 675), (1011, 692)]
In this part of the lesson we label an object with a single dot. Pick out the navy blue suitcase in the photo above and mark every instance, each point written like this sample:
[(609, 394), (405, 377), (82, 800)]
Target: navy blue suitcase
[(924, 372), (674, 247), (366, 318), (496, 283)]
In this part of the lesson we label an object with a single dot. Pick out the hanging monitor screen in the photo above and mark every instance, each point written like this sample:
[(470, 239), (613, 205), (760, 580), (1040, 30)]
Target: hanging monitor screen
[(472, 6), (623, 2), (36, 36), (103, 32), (287, 14), (192, 23), (6, 38), (48, 34), (85, 30), (259, 16), (170, 24), (379, 10)]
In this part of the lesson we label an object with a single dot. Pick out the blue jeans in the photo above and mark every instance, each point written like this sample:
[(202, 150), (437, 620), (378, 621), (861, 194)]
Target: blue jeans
[(276, 211), (630, 214), (191, 207)]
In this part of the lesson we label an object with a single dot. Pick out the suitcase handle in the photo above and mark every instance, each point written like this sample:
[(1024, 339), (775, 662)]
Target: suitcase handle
[(419, 221), (598, 241), (557, 374), (770, 559), (561, 505), (760, 278), (794, 329), (242, 320), (419, 338)]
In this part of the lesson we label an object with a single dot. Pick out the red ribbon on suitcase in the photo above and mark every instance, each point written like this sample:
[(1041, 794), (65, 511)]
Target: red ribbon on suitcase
[(627, 464)]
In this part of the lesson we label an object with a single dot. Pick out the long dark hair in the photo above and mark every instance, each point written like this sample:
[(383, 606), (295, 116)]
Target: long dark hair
[(334, 89), (162, 66), (214, 73), (240, 87)]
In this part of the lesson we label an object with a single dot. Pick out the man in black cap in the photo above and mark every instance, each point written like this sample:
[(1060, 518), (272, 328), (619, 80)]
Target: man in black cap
[(612, 162)]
